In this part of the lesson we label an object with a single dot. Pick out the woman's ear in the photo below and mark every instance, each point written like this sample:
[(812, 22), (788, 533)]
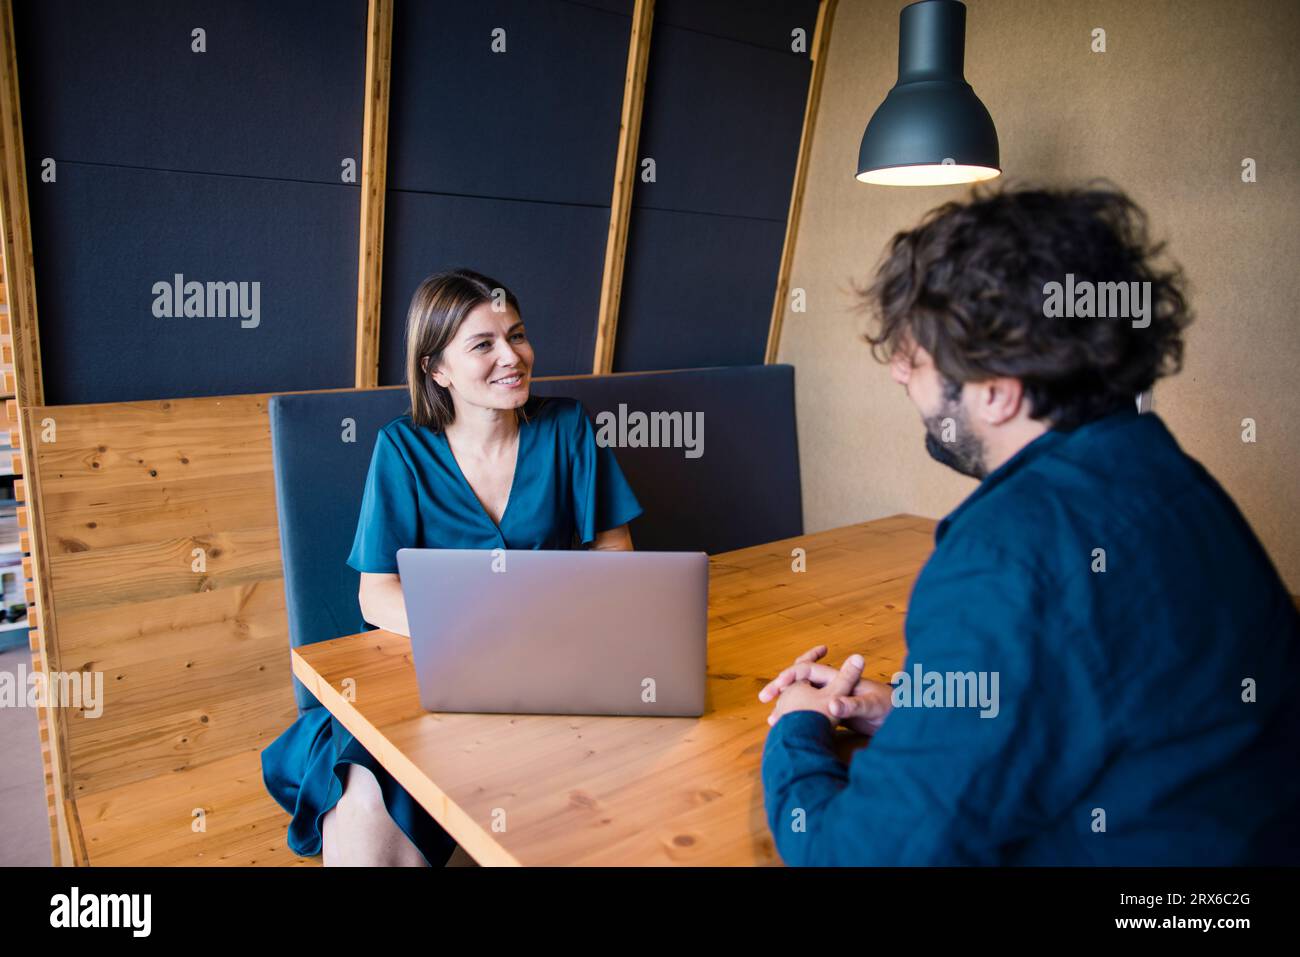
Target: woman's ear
[(438, 377)]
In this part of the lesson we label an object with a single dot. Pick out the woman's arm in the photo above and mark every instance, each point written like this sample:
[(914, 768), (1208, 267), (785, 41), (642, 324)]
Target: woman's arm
[(614, 540), (382, 603)]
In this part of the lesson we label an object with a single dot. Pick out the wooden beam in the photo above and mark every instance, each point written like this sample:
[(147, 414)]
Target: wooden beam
[(820, 44), (19, 278), (374, 180), (26, 384), (625, 167)]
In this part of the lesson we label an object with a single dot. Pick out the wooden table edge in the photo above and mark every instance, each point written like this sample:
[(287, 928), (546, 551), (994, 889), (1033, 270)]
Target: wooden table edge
[(468, 833)]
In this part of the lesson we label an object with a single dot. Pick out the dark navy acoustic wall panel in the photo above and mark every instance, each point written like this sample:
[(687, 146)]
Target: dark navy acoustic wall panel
[(222, 166), (277, 93), (708, 280), (504, 161), (549, 254), (106, 234), (538, 121), (722, 122), (724, 110), (764, 23)]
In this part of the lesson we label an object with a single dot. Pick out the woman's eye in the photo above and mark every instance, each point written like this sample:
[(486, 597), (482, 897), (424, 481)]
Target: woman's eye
[(481, 344), (518, 337)]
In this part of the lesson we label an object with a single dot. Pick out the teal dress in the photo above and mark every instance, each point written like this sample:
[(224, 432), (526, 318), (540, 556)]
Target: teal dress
[(566, 489)]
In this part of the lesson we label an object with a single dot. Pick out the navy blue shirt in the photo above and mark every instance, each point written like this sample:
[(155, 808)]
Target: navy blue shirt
[(1147, 713)]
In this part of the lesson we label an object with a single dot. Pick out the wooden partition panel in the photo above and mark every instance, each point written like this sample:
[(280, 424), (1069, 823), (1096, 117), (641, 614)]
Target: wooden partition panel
[(163, 569)]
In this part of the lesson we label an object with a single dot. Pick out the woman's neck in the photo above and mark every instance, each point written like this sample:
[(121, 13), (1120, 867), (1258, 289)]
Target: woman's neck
[(484, 431)]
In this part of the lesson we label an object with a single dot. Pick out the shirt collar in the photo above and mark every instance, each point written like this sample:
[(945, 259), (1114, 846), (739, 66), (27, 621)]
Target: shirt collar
[(1039, 447), (1029, 453)]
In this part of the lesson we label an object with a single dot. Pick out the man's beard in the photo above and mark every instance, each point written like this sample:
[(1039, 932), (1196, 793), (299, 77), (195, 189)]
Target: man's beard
[(965, 453)]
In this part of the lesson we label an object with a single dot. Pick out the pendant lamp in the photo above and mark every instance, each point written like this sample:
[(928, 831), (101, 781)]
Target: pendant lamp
[(932, 130)]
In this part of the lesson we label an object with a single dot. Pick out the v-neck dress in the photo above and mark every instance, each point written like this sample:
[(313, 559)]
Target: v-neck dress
[(566, 490)]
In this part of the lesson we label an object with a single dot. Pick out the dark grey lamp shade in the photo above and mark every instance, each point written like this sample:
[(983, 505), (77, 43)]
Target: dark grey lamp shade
[(932, 129)]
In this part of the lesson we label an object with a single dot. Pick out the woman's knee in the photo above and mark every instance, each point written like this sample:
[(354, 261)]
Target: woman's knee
[(362, 798)]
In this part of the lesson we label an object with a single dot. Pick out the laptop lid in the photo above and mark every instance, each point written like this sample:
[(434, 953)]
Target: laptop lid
[(558, 632)]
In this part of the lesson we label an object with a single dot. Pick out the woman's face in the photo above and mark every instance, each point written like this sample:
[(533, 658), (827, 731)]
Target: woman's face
[(488, 363)]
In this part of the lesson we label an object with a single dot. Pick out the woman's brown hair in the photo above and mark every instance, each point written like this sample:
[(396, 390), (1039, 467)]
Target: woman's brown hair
[(438, 307)]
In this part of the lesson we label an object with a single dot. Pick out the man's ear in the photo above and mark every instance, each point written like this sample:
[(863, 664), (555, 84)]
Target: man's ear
[(999, 400)]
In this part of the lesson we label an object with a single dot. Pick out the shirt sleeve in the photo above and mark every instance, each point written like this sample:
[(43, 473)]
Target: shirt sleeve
[(389, 517), (602, 497), (945, 784)]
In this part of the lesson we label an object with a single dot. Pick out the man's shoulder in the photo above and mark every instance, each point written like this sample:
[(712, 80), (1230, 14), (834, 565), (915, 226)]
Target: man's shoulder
[(1115, 473)]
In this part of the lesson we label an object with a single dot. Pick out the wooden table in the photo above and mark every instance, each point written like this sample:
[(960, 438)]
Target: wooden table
[(547, 790)]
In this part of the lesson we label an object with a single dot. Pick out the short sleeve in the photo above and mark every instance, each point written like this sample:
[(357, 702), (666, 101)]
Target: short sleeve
[(389, 511), (602, 497)]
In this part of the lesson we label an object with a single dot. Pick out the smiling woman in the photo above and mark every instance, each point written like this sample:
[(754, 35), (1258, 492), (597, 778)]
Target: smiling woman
[(476, 463)]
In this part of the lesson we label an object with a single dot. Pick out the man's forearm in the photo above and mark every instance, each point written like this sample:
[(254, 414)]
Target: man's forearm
[(801, 776)]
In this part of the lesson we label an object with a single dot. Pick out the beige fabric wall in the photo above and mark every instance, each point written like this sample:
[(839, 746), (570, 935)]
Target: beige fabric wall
[(1184, 92)]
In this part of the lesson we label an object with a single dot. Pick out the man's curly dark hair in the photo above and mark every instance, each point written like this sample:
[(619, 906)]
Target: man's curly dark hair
[(968, 285)]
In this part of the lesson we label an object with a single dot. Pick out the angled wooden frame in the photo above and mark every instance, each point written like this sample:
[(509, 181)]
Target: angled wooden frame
[(620, 206), (374, 182), (820, 44)]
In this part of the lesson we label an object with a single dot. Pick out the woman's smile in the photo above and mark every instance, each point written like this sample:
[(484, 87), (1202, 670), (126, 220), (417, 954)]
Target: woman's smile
[(515, 380)]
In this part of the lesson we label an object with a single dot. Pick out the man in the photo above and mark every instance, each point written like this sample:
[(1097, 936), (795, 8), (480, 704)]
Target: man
[(1103, 665)]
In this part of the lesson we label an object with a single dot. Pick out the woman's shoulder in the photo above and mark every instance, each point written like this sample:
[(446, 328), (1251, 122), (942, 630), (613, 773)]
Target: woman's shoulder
[(412, 442), (400, 430)]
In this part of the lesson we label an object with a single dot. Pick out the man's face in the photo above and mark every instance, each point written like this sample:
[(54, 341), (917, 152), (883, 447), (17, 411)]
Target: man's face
[(949, 437)]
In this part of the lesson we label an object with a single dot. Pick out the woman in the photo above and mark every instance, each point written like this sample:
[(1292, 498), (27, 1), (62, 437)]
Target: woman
[(475, 464)]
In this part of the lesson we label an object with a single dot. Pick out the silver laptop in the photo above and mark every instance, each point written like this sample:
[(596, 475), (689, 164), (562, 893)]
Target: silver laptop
[(557, 632)]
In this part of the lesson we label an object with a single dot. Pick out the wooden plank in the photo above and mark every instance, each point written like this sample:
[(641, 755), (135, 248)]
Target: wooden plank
[(154, 744), (130, 574), (154, 822), (64, 835), (78, 848), (625, 173), (193, 658), (820, 46), (80, 520), (132, 445), (612, 790), (374, 180)]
